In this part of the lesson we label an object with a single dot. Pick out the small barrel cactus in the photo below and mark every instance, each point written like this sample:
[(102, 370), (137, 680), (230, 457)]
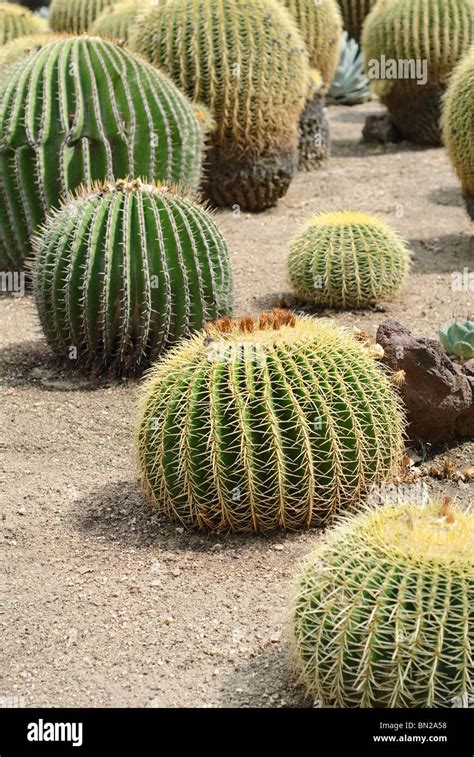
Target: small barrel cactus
[(76, 16), (126, 269), (19, 48), (458, 126), (410, 51), (347, 260), (248, 64), (266, 423), (382, 615), (117, 116), (116, 21), (354, 13), (321, 27), (457, 338), (350, 85), (16, 21)]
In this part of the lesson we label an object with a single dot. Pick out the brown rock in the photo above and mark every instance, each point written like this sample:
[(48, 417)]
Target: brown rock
[(437, 393)]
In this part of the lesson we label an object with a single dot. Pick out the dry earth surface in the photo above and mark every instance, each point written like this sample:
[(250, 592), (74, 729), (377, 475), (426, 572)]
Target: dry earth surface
[(107, 605)]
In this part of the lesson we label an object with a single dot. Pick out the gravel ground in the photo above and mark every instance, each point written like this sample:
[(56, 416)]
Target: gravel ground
[(107, 605)]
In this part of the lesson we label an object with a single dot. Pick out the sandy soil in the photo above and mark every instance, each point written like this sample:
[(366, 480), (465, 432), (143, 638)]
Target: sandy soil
[(106, 605)]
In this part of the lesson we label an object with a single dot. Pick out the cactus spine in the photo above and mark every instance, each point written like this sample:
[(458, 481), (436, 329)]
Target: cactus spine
[(347, 260), (76, 16), (116, 21), (126, 269), (139, 124), (266, 423), (354, 13), (247, 63), (16, 21), (382, 614), (458, 126), (436, 31)]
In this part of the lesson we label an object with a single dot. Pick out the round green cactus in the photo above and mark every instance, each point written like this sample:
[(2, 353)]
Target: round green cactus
[(382, 614), (248, 64), (457, 338), (116, 21), (266, 423), (76, 16), (458, 126), (19, 48), (16, 21), (126, 269), (347, 260), (354, 13), (117, 116), (410, 51)]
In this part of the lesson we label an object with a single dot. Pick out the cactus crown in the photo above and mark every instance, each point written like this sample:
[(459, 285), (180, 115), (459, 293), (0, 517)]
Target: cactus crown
[(16, 21), (278, 421), (245, 61), (382, 608), (458, 135), (438, 31), (140, 266), (321, 26), (116, 21), (116, 116), (76, 16), (347, 259)]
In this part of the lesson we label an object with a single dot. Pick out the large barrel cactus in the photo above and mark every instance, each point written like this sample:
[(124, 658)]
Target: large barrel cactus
[(354, 13), (321, 27), (117, 20), (83, 109), (458, 126), (76, 16), (347, 260), (266, 423), (410, 51), (16, 21), (247, 63), (383, 610), (126, 269)]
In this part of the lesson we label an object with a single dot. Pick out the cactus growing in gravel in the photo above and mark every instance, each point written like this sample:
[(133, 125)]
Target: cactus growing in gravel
[(116, 21), (76, 16), (247, 63), (273, 422), (437, 32), (347, 260), (126, 269), (457, 338), (354, 13), (383, 610), (16, 21), (458, 126), (350, 85), (117, 116)]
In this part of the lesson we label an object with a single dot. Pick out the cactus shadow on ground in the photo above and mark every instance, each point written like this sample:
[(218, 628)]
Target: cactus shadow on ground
[(446, 254), (120, 513), (450, 196)]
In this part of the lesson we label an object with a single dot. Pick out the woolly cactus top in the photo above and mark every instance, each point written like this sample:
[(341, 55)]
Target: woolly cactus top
[(438, 31)]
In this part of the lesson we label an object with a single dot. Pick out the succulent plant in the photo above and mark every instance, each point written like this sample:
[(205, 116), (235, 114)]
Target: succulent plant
[(410, 51), (354, 13), (347, 260), (264, 423), (126, 269), (116, 21), (117, 116), (16, 21), (350, 85), (248, 64), (76, 16), (19, 48), (457, 338), (382, 614), (458, 126)]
